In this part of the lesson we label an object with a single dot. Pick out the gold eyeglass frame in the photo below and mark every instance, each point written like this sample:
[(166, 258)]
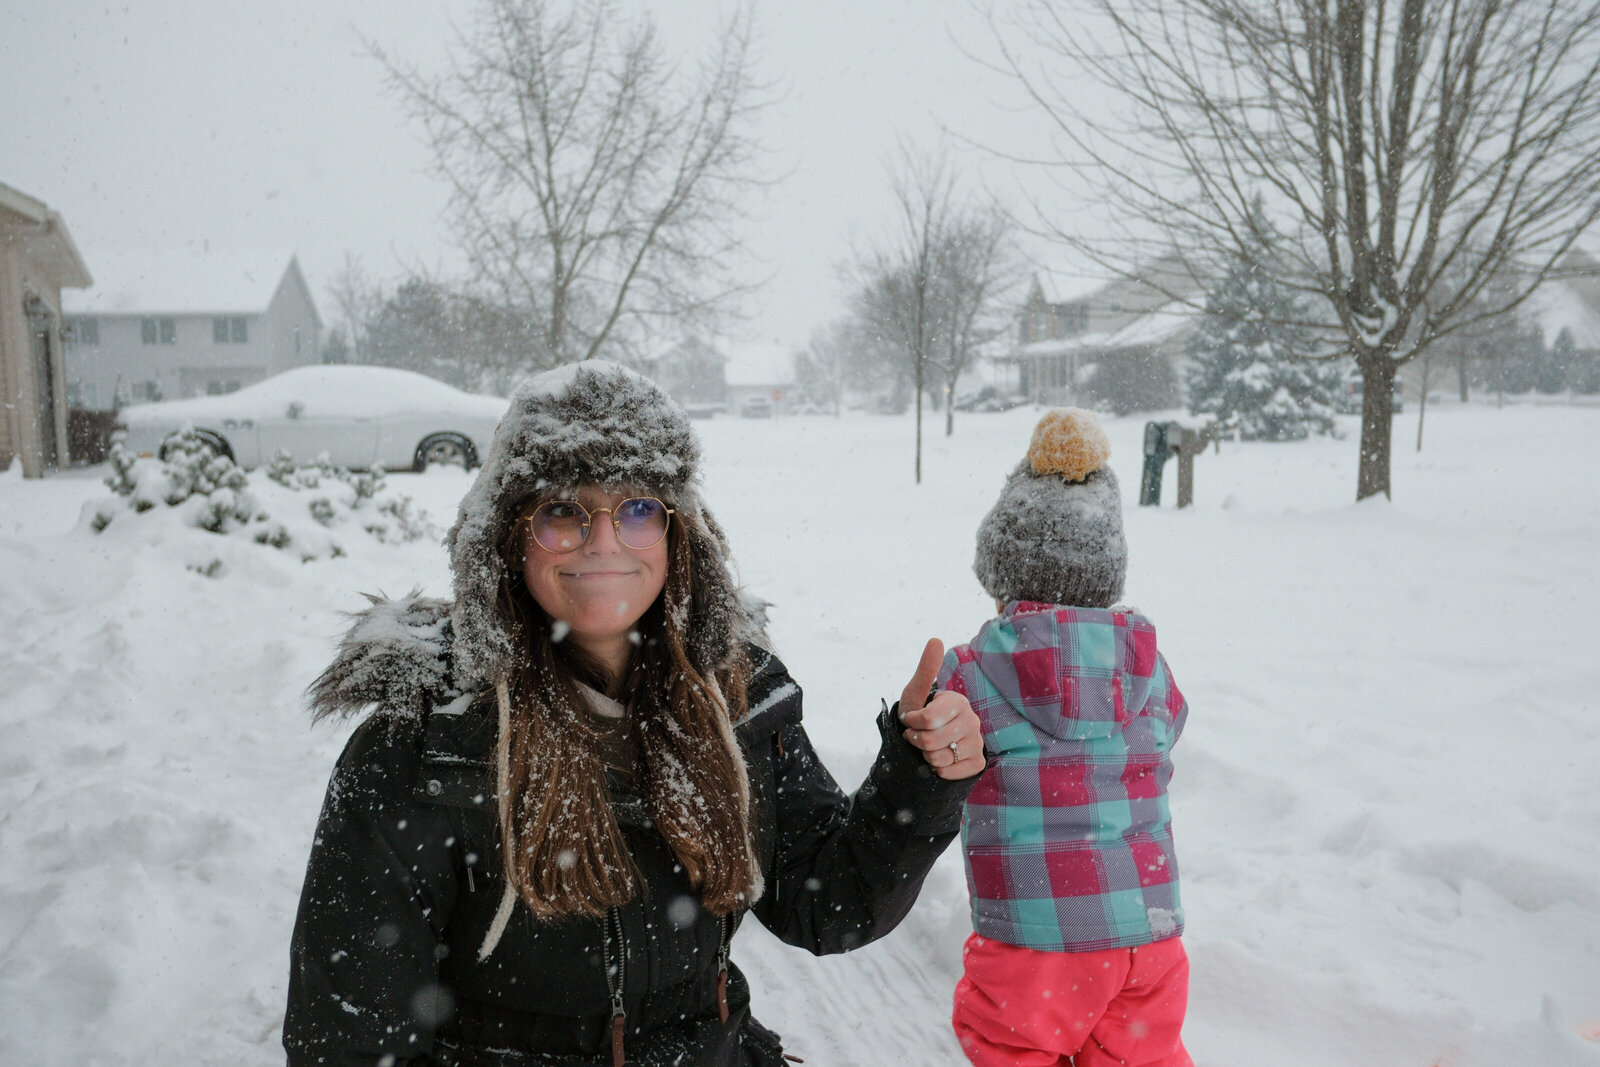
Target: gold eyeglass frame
[(526, 521)]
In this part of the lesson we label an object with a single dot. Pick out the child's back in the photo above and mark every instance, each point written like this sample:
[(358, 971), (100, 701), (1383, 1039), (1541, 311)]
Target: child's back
[(1067, 836)]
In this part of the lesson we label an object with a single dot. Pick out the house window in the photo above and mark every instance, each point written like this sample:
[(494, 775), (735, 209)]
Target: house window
[(297, 340), (86, 331), (220, 388), (229, 329), (145, 391), (158, 331)]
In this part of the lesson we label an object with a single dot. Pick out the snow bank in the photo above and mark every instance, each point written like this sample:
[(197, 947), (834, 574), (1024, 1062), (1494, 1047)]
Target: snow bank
[(1386, 808)]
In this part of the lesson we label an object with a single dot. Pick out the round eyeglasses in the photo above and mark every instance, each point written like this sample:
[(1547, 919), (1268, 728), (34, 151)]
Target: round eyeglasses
[(562, 525)]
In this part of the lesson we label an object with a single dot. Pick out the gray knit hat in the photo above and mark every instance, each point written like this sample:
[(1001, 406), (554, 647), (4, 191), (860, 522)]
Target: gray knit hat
[(1055, 534), (586, 423)]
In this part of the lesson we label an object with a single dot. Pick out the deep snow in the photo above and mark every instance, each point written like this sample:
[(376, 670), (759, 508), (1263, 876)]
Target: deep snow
[(1386, 804)]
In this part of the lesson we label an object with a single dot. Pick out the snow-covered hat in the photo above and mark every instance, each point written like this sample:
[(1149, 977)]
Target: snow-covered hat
[(1055, 534), (585, 423)]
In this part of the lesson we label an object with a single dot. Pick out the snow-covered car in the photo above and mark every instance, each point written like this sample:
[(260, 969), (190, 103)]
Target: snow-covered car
[(359, 416), (989, 399), (756, 407)]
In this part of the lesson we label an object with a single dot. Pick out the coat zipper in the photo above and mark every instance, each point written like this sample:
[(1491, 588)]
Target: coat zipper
[(724, 942), (615, 979)]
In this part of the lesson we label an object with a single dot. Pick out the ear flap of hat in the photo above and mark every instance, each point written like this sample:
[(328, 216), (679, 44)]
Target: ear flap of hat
[(720, 622)]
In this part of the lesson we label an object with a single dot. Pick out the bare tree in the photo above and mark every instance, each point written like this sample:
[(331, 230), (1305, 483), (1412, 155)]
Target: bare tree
[(1419, 149), (594, 185), (825, 365), (928, 289), (978, 269), (357, 300)]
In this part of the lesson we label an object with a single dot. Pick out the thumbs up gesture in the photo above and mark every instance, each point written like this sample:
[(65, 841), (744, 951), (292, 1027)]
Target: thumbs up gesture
[(945, 729)]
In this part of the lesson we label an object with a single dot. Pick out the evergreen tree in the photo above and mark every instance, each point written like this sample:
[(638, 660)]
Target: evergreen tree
[(1247, 358), (1559, 366)]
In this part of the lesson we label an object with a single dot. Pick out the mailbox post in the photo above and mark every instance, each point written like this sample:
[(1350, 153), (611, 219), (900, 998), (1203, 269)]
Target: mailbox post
[(1187, 444)]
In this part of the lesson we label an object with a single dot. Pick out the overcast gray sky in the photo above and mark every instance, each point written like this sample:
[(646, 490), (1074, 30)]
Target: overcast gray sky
[(251, 124)]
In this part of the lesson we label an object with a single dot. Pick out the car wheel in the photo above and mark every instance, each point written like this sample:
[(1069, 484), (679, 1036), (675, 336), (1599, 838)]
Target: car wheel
[(445, 450), (213, 440)]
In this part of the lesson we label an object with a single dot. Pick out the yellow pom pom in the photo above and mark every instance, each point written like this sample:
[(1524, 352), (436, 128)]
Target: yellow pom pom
[(1068, 442)]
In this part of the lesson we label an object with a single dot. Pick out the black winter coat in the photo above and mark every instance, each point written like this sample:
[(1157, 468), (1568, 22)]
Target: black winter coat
[(405, 875)]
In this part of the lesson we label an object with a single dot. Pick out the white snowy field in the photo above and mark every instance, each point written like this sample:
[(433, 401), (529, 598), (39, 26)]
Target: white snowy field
[(1387, 803)]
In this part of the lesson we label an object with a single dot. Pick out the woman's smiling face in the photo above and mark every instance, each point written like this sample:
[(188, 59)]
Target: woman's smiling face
[(601, 588)]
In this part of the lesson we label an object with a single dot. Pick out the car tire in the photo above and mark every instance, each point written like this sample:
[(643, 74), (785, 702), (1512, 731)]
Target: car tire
[(445, 450), (214, 441)]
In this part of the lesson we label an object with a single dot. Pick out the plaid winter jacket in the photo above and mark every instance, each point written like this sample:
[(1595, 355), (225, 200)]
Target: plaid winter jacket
[(1067, 835)]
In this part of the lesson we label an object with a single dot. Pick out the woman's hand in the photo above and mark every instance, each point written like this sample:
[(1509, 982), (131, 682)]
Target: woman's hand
[(945, 729)]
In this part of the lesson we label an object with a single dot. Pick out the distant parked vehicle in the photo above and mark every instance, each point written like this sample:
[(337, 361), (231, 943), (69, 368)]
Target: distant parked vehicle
[(703, 409), (359, 416), (756, 407), (1348, 402), (989, 399)]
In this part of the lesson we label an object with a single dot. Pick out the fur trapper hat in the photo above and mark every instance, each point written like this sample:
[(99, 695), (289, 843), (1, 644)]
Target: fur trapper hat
[(585, 423), (1055, 534)]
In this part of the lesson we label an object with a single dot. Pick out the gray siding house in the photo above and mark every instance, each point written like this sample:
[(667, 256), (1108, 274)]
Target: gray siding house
[(1068, 323), (177, 324)]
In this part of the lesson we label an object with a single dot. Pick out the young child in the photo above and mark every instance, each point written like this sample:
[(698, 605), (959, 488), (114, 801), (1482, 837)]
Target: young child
[(1075, 956)]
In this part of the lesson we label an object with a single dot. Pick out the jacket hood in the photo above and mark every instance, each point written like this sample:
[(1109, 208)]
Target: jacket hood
[(586, 423), (1074, 673), (396, 656)]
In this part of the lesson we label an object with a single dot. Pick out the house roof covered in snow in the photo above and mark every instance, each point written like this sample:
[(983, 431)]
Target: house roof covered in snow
[(1150, 328), (1061, 287), (1559, 305), (184, 281), (45, 234)]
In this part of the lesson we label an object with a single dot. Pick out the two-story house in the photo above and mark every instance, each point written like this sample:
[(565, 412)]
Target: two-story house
[(1069, 324), (175, 324)]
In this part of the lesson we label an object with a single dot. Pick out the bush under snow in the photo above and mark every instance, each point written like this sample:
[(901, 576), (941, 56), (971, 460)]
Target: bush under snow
[(302, 509)]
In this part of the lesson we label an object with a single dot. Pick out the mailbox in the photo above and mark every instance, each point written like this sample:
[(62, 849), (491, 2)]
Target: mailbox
[(1162, 440), (1156, 453)]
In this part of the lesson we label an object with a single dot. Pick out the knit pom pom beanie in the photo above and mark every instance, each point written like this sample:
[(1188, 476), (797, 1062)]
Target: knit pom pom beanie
[(1055, 534)]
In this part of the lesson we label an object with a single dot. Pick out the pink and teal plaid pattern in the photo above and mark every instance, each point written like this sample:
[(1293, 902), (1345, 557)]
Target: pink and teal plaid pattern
[(1067, 836)]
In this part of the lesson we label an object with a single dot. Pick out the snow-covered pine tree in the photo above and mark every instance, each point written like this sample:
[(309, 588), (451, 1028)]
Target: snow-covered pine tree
[(1247, 357)]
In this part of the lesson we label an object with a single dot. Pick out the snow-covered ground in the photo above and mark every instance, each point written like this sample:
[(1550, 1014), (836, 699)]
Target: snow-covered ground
[(1387, 804)]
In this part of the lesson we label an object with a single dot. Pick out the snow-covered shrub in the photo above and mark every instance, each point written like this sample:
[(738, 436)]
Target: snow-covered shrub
[(408, 523), (121, 480), (192, 467), (368, 484), (280, 468), (295, 509), (1125, 383)]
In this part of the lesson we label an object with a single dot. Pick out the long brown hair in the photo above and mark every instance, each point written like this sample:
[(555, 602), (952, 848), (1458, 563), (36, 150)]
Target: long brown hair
[(565, 853)]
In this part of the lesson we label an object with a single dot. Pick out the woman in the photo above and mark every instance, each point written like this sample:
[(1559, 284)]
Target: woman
[(584, 771)]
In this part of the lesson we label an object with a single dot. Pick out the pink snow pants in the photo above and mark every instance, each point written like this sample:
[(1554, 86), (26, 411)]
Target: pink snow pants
[(1021, 1007)]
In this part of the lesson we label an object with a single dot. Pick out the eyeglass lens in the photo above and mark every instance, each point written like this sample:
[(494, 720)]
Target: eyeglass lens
[(563, 525)]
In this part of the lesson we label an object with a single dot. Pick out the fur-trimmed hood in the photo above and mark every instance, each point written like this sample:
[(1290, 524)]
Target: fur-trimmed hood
[(396, 657)]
